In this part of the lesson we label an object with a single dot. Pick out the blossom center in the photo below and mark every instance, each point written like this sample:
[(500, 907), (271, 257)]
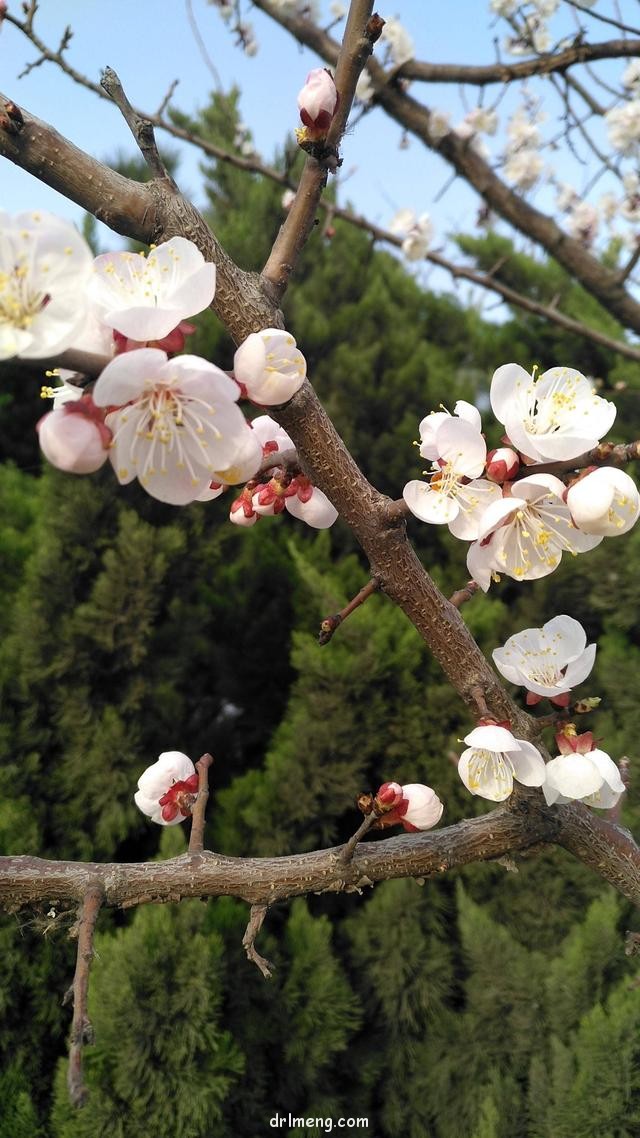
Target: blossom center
[(20, 303), (493, 766)]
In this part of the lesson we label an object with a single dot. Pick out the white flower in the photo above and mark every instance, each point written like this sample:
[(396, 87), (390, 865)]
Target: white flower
[(439, 124), (167, 790), (522, 131), (494, 758), (523, 168), (605, 501), (481, 120), (145, 298), (547, 661), (450, 498), (44, 268), (338, 10), (424, 808), (432, 422), (365, 89), (583, 222), (592, 778), (246, 461), (525, 536), (177, 423), (504, 7), (557, 416), (419, 231), (270, 366), (631, 74), (400, 43), (623, 124), (288, 198), (317, 511)]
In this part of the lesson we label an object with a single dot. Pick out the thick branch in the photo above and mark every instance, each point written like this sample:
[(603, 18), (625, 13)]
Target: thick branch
[(548, 64), (523, 823), (150, 213)]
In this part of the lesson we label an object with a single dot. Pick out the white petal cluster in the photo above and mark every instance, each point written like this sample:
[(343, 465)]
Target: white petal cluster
[(171, 767), (455, 494), (525, 536), (177, 422), (398, 40), (592, 778), (145, 298), (623, 125), (494, 758), (604, 502), (547, 661), (555, 416), (44, 268), (418, 231), (270, 366)]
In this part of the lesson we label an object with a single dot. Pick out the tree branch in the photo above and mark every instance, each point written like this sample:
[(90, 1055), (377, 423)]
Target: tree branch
[(356, 47), (522, 823), (550, 63), (256, 918), (81, 1029)]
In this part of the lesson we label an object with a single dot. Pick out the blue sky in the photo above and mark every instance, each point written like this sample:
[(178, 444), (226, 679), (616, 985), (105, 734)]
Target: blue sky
[(150, 43)]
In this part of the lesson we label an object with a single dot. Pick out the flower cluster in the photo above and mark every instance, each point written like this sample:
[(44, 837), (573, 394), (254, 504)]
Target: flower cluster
[(521, 522), (416, 231), (172, 422)]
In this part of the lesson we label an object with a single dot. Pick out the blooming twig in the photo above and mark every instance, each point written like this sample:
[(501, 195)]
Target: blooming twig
[(331, 623), (196, 839), (81, 1029), (605, 454), (256, 917)]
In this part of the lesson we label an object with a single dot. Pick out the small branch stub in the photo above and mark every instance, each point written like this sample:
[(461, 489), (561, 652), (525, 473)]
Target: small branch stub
[(196, 838), (331, 623), (81, 1029), (256, 917)]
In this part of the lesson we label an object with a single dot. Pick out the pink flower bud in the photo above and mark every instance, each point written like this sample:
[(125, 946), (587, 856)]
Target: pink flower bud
[(389, 794), (424, 808), (318, 101), (75, 438), (502, 464)]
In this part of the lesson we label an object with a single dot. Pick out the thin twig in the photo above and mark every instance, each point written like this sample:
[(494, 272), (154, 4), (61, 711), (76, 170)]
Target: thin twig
[(256, 917), (605, 454), (461, 596), (81, 1029), (331, 623), (196, 838), (350, 847), (141, 128), (357, 46), (479, 698)]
